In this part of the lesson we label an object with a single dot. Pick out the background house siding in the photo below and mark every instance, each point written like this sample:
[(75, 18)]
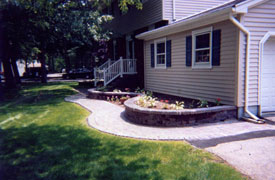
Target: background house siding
[(208, 84), (259, 20), (186, 8), (135, 19)]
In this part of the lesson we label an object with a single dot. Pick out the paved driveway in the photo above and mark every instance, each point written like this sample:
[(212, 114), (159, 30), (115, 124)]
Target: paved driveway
[(254, 157)]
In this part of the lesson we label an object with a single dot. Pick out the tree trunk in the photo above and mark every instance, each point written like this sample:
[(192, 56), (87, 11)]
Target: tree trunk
[(43, 72), (1, 88), (68, 64), (52, 62), (9, 77), (15, 71)]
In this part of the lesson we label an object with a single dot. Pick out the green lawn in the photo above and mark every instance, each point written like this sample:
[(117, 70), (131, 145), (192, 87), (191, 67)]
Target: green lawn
[(44, 137)]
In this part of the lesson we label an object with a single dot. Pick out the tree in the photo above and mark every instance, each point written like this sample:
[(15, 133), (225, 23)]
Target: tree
[(52, 27)]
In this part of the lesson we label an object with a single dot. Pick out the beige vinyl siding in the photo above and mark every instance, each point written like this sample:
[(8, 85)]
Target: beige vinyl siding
[(208, 84), (136, 19), (186, 8), (259, 20)]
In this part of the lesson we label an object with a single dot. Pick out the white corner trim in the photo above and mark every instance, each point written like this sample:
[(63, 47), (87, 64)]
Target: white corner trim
[(247, 63), (174, 11), (194, 34), (244, 6), (261, 50)]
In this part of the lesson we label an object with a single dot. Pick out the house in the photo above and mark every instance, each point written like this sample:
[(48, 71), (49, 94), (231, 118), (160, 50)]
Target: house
[(226, 52), (155, 14), (202, 50)]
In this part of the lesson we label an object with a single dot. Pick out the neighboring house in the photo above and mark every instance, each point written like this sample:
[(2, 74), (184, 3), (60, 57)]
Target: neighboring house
[(226, 52)]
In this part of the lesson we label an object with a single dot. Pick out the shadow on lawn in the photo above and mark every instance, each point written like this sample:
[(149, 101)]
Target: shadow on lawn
[(56, 152)]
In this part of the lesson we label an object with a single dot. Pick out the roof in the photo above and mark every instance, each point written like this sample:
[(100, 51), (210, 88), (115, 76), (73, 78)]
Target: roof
[(171, 28)]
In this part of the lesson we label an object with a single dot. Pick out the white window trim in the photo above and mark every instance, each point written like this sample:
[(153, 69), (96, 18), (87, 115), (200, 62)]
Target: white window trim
[(155, 53), (195, 33)]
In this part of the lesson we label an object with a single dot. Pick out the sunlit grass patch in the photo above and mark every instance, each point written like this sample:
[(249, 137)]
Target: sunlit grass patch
[(48, 138)]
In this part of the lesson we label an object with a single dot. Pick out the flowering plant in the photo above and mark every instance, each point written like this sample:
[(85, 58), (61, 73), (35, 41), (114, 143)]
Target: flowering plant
[(178, 105), (218, 101), (146, 101)]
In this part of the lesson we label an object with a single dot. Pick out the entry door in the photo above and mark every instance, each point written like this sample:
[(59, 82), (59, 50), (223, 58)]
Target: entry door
[(268, 76)]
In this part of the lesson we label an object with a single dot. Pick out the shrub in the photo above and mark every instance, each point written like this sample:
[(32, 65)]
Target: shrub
[(203, 103), (116, 90), (138, 90), (178, 105), (146, 101)]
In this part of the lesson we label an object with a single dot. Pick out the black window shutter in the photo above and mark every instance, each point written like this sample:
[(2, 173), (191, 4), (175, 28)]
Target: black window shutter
[(188, 50), (216, 47), (152, 55), (168, 53)]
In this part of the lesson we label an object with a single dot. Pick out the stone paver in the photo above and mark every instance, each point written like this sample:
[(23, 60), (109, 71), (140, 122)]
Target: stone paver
[(240, 143), (110, 118)]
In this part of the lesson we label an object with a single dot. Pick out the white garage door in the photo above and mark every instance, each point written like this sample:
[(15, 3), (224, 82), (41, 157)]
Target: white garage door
[(268, 76)]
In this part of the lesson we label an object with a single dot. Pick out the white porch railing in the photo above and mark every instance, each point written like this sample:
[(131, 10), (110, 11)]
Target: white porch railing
[(109, 71)]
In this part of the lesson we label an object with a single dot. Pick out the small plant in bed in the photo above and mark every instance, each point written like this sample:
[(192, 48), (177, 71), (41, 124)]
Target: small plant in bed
[(203, 103), (123, 99), (167, 102), (146, 101), (178, 105), (218, 101)]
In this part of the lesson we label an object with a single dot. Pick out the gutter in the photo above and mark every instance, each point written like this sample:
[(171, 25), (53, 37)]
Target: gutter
[(186, 24), (246, 31)]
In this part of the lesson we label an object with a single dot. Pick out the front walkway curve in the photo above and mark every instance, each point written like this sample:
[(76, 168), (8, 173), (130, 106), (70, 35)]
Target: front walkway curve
[(109, 118), (248, 147)]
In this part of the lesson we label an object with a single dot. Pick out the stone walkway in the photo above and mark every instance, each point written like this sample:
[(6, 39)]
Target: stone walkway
[(109, 118)]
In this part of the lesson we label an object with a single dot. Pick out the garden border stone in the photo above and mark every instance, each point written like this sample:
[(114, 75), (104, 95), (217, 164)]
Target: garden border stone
[(94, 94), (176, 118)]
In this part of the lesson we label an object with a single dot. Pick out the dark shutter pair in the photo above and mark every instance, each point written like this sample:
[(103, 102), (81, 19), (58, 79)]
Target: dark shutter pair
[(168, 54), (216, 48)]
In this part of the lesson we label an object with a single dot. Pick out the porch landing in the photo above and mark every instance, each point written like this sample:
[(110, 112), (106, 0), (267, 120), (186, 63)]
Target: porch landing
[(110, 118)]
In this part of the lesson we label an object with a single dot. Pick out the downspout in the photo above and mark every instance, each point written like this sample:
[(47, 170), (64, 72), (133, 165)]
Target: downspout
[(174, 10), (246, 31)]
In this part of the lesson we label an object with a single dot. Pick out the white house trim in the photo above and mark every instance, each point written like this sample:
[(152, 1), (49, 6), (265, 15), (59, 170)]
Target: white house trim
[(261, 50), (155, 53), (244, 6), (247, 32), (196, 33), (187, 24)]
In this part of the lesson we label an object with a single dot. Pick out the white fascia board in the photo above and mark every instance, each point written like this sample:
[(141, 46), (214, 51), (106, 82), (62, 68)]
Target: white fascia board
[(244, 6), (188, 24)]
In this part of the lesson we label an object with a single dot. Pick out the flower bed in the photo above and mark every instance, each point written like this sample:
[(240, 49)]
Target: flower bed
[(175, 117), (111, 95)]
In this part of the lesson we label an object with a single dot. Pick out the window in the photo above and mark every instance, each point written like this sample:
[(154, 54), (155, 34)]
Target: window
[(202, 47), (160, 53)]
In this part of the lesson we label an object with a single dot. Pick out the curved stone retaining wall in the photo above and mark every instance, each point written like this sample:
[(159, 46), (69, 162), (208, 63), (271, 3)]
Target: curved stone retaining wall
[(176, 118), (94, 94)]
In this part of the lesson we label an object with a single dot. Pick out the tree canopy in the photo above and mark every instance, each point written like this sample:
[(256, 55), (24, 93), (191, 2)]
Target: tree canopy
[(39, 29)]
